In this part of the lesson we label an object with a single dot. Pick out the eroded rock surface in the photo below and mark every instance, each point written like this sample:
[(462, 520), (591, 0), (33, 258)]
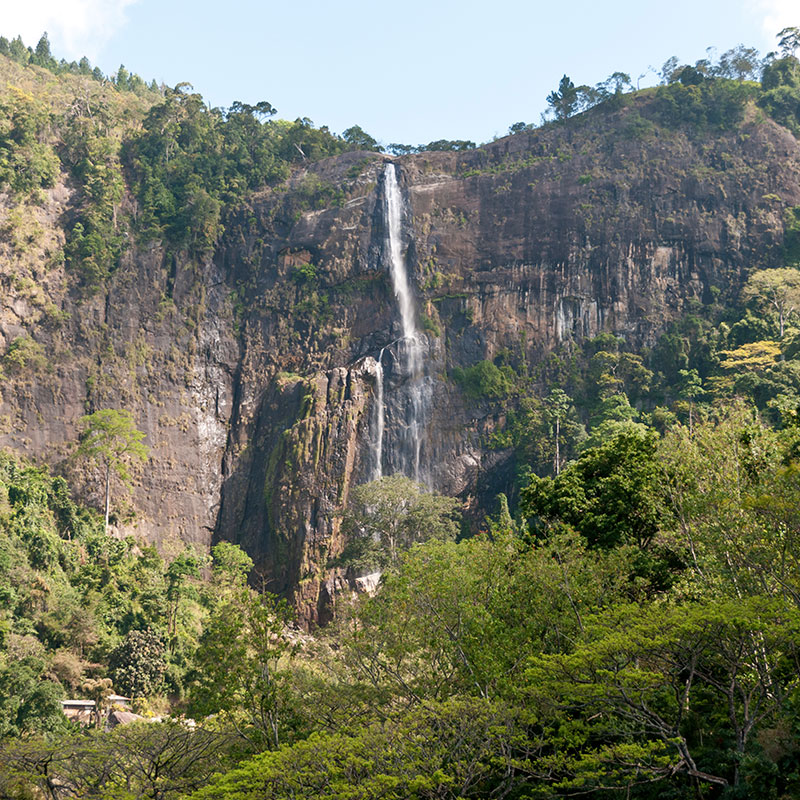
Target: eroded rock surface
[(250, 371)]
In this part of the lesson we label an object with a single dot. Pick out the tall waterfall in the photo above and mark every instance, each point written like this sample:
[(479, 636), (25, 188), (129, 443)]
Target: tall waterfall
[(409, 386), (379, 420)]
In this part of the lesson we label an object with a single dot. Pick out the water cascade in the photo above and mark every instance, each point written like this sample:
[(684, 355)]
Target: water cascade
[(378, 420), (410, 387)]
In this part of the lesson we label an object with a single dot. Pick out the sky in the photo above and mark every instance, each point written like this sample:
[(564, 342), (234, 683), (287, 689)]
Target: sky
[(408, 72)]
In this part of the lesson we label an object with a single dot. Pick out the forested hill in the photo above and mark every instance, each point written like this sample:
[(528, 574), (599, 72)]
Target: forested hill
[(596, 594)]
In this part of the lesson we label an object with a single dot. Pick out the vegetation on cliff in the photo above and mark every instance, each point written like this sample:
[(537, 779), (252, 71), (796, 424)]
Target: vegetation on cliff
[(628, 626)]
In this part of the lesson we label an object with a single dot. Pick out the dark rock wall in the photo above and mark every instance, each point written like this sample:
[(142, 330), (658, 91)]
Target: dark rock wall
[(253, 374)]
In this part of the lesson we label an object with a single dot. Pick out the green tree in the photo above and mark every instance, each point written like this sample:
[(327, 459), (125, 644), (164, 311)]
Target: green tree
[(740, 62), (557, 408), (181, 568), (484, 380), (41, 55), (99, 690), (111, 440), (237, 672), (359, 139), (230, 564), (611, 494), (564, 100), (137, 665), (775, 289), (442, 751), (789, 41), (386, 516), (670, 677)]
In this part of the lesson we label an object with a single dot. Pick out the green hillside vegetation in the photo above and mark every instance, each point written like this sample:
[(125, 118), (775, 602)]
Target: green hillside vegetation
[(635, 629), (628, 625)]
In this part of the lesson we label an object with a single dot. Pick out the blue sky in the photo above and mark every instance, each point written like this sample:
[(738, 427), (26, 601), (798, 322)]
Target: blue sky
[(406, 72)]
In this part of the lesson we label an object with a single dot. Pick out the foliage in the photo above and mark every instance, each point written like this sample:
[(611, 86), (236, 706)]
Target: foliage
[(143, 759), (457, 749), (24, 354), (484, 380), (189, 162), (237, 673), (27, 162), (359, 139), (781, 91), (775, 289), (111, 440), (137, 664), (564, 100), (702, 103), (389, 515), (95, 241), (609, 494)]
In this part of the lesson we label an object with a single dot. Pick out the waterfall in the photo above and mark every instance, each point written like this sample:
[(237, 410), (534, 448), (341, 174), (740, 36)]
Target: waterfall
[(411, 388), (379, 415)]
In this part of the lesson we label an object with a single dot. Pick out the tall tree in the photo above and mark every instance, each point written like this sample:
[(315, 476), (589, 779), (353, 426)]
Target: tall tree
[(789, 41), (237, 673), (777, 289), (111, 440), (556, 408), (564, 100)]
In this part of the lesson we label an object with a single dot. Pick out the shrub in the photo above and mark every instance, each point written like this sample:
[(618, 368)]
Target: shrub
[(484, 380)]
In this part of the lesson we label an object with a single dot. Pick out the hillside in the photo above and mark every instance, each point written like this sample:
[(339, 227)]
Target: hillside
[(234, 320), (457, 472)]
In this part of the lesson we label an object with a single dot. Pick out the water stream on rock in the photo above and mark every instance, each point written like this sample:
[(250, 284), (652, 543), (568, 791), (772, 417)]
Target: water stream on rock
[(379, 416), (413, 392)]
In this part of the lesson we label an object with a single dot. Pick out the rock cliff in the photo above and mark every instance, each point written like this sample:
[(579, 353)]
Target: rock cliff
[(252, 371)]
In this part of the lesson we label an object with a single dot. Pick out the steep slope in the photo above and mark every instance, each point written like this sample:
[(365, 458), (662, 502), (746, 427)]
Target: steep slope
[(252, 368)]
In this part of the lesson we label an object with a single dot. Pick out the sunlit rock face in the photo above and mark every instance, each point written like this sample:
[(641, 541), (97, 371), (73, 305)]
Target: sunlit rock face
[(258, 374)]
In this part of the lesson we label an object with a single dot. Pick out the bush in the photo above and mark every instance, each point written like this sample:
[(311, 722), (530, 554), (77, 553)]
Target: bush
[(713, 103), (24, 353), (484, 380)]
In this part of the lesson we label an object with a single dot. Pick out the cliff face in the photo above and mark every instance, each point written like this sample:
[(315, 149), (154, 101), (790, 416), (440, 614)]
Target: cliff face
[(253, 372)]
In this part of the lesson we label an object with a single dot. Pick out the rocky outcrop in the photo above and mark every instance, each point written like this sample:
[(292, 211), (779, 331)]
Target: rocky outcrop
[(252, 372)]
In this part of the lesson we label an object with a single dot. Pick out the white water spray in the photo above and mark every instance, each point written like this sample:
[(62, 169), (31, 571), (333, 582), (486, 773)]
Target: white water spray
[(380, 420), (415, 392)]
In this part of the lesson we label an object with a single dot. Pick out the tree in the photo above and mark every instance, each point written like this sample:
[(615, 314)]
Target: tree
[(689, 388), (390, 514), (157, 760), (359, 139), (99, 690), (462, 618), (564, 100), (669, 70), (230, 564), (616, 83), (111, 440), (42, 55), (557, 406), (740, 62), (185, 566), (734, 497), (236, 666), (655, 674), (777, 289), (457, 749), (164, 760), (611, 495), (138, 664), (789, 41)]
